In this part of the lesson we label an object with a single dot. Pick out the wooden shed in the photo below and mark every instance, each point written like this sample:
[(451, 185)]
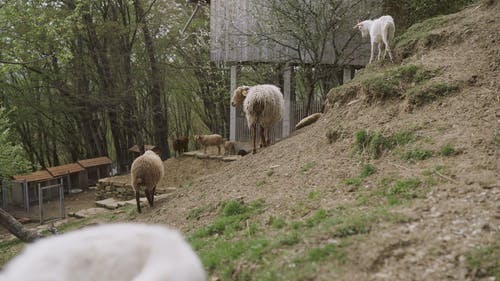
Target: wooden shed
[(26, 189), (95, 169), (74, 176), (233, 29)]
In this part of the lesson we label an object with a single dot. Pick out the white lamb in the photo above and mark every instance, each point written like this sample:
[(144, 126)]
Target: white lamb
[(381, 30), (113, 252), (263, 105)]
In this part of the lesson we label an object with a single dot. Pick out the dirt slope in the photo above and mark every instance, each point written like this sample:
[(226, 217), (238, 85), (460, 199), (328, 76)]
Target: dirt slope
[(458, 209)]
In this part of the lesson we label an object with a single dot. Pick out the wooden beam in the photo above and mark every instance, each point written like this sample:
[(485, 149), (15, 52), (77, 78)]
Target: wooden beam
[(232, 110), (287, 82)]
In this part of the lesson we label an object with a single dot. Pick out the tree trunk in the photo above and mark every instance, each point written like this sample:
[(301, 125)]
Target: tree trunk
[(16, 228), (107, 88), (309, 85), (160, 120)]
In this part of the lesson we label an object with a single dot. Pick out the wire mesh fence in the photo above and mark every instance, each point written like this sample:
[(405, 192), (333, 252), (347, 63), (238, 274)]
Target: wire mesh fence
[(34, 201), (298, 110)]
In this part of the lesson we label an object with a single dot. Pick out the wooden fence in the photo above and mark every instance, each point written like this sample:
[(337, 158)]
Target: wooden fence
[(297, 112)]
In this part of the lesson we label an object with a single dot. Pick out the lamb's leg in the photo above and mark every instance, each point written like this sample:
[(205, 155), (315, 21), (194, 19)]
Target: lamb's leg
[(379, 50), (371, 52), (138, 200), (387, 48), (389, 51)]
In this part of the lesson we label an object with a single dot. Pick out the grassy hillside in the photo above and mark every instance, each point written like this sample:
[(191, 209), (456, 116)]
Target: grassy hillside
[(397, 181)]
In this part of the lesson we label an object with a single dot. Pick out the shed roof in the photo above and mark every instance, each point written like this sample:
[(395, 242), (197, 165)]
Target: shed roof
[(42, 175), (65, 169), (93, 162)]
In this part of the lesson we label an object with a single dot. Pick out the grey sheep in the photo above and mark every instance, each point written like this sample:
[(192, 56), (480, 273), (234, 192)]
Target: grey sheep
[(146, 172)]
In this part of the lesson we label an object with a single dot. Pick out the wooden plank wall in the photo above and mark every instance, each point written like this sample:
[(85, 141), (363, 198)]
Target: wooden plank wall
[(231, 21)]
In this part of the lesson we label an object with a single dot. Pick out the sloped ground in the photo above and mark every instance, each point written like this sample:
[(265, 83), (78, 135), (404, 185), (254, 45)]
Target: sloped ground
[(434, 235), (399, 179)]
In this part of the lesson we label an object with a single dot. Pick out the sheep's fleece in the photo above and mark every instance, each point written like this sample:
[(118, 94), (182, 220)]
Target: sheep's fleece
[(264, 103), (112, 252)]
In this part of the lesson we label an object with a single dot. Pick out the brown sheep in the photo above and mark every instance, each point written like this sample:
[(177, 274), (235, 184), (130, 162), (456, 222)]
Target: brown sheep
[(229, 147), (208, 140), (180, 145)]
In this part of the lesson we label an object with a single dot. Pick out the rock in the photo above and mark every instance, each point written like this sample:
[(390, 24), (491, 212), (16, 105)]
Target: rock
[(201, 156), (231, 158), (308, 120), (75, 191), (190, 153), (88, 212), (109, 203)]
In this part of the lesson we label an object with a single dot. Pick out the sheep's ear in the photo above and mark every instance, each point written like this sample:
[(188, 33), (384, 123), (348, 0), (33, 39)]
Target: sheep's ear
[(357, 25), (244, 90)]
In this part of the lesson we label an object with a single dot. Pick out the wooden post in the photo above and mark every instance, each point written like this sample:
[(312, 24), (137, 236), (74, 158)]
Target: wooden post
[(287, 77), (347, 74), (61, 199), (40, 202), (232, 110), (26, 196)]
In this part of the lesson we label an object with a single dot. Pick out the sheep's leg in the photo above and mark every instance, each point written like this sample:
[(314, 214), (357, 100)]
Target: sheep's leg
[(149, 196), (153, 196), (218, 147), (138, 200), (268, 136), (254, 131), (205, 149), (262, 137)]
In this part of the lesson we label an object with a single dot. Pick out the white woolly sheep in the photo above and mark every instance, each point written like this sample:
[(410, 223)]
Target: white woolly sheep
[(229, 147), (263, 105), (381, 30), (208, 140), (146, 171), (113, 252)]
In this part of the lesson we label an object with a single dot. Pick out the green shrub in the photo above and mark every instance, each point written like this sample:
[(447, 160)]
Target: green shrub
[(409, 12), (416, 154), (375, 143), (447, 150), (403, 190), (484, 261), (426, 93), (367, 170)]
